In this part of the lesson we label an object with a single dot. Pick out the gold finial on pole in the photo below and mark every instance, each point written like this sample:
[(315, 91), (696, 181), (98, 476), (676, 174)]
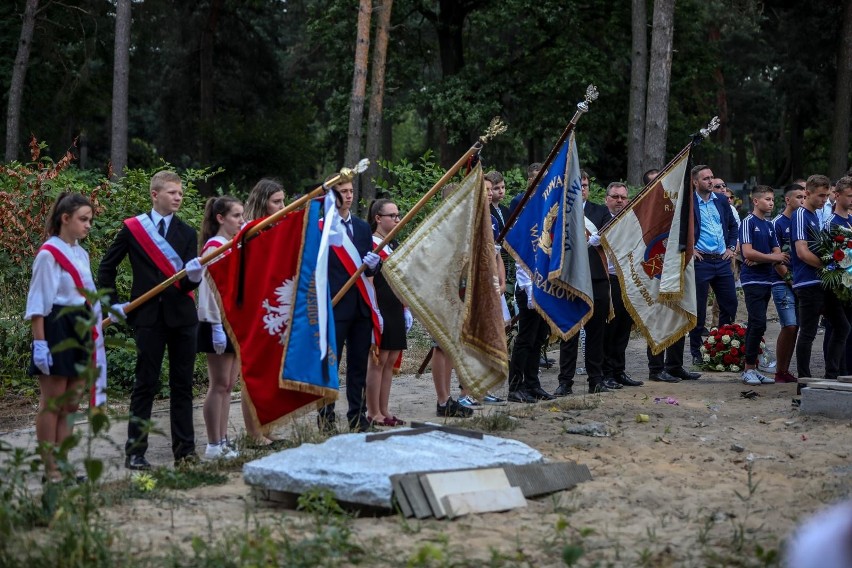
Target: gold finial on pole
[(711, 127), (347, 174), (495, 128), (583, 106)]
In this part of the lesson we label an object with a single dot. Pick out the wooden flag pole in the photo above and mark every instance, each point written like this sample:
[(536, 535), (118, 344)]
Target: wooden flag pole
[(582, 108), (495, 128), (344, 174)]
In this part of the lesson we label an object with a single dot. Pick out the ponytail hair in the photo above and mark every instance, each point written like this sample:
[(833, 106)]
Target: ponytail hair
[(66, 203), (375, 208), (215, 206)]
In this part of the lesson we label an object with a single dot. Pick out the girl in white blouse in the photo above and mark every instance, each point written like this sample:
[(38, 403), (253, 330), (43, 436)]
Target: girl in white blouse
[(59, 268)]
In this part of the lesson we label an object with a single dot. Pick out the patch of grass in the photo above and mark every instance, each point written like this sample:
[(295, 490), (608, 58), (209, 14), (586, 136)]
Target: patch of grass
[(568, 403), (492, 422)]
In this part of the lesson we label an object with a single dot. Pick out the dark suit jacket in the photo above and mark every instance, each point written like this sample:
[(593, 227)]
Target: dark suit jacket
[(351, 305), (505, 211), (178, 307), (599, 215), (729, 224)]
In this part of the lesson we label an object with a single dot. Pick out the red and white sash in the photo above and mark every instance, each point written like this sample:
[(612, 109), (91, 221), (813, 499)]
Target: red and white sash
[(385, 252), (213, 243), (83, 281), (158, 249), (351, 260)]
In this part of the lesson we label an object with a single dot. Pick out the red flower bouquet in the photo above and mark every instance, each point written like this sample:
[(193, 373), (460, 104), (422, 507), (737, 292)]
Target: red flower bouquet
[(724, 349)]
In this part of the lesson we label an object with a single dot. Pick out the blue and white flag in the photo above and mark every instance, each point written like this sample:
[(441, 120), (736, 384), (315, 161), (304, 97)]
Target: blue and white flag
[(548, 240)]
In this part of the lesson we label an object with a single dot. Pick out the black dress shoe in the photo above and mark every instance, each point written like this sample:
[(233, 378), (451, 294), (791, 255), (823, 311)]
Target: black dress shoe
[(326, 425), (539, 393), (663, 377), (564, 389), (697, 362), (187, 460), (521, 396), (137, 463), (683, 374), (627, 380), (599, 386), (611, 384)]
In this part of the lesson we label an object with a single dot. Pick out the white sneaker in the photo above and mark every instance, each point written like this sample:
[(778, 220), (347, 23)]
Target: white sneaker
[(469, 402), (220, 452), (749, 377), (764, 379)]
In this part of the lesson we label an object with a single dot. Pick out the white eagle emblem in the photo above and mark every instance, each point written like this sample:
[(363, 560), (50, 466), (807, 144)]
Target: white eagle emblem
[(277, 317)]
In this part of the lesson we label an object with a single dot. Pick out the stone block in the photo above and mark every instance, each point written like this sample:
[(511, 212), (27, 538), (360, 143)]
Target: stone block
[(827, 402), (359, 472)]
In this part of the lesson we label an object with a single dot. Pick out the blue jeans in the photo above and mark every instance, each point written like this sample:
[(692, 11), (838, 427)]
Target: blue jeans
[(716, 274), (785, 305)]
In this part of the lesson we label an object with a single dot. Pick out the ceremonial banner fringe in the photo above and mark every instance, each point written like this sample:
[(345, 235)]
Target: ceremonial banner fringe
[(272, 317), (446, 272), (548, 240), (651, 243)]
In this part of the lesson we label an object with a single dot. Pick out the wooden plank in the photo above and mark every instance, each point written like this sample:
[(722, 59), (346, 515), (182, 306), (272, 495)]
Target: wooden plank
[(542, 478), (401, 432), (808, 380), (410, 484), (449, 429), (831, 385), (399, 495), (437, 485), (489, 501)]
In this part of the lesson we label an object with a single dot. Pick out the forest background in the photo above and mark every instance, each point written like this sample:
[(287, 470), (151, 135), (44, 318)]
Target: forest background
[(229, 91)]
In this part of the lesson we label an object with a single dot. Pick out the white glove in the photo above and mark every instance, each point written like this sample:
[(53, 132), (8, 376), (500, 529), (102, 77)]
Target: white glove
[(381, 322), (194, 270), (409, 319), (219, 338), (594, 240), (41, 356), (119, 309), (528, 290), (372, 260)]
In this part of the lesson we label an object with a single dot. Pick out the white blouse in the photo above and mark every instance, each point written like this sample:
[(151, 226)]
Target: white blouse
[(208, 309), (51, 284)]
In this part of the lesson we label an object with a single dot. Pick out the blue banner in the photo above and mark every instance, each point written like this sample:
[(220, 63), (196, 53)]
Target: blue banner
[(303, 361), (548, 240)]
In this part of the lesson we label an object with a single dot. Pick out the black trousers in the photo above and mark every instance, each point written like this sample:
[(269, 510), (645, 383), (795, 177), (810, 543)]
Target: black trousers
[(810, 303), (151, 344), (757, 299), (356, 334), (533, 331), (594, 340), (616, 333), (670, 359)]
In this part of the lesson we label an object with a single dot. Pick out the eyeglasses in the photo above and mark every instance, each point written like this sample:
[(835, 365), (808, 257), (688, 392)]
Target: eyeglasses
[(618, 197), (393, 215), (719, 185)]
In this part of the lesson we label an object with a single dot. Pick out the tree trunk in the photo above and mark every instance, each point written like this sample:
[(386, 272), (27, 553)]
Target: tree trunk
[(120, 77), (657, 114), (377, 94), (722, 167), (19, 73), (206, 98), (638, 91), (839, 158), (359, 89), (450, 27)]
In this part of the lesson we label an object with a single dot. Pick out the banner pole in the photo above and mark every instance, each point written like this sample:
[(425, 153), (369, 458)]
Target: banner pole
[(344, 174), (495, 128), (582, 108)]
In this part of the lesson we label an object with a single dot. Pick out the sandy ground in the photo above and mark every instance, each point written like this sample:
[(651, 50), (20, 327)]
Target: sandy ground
[(670, 492)]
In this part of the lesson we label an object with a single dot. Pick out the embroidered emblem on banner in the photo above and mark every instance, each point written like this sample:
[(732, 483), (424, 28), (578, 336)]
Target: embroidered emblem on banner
[(276, 318), (654, 254)]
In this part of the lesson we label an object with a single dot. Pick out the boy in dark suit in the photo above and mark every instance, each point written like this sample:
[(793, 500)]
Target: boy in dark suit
[(159, 244), (353, 318)]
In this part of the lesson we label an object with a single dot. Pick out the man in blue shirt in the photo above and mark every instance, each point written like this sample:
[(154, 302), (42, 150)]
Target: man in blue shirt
[(761, 251), (807, 284), (715, 242)]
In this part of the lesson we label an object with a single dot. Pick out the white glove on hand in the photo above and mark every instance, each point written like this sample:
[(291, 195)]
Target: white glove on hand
[(594, 240), (381, 322), (219, 338), (409, 319), (528, 290), (41, 356), (371, 259), (194, 270), (119, 309)]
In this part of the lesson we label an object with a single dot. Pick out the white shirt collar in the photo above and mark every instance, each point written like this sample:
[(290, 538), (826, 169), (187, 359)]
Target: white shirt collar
[(155, 217)]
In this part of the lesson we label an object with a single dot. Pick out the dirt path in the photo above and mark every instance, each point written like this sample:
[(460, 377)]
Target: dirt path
[(672, 491)]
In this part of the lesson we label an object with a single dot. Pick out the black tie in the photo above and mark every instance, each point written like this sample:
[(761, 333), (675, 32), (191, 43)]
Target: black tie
[(348, 225), (161, 228)]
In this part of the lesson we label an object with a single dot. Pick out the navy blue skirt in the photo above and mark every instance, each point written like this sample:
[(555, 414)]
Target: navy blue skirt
[(69, 362)]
